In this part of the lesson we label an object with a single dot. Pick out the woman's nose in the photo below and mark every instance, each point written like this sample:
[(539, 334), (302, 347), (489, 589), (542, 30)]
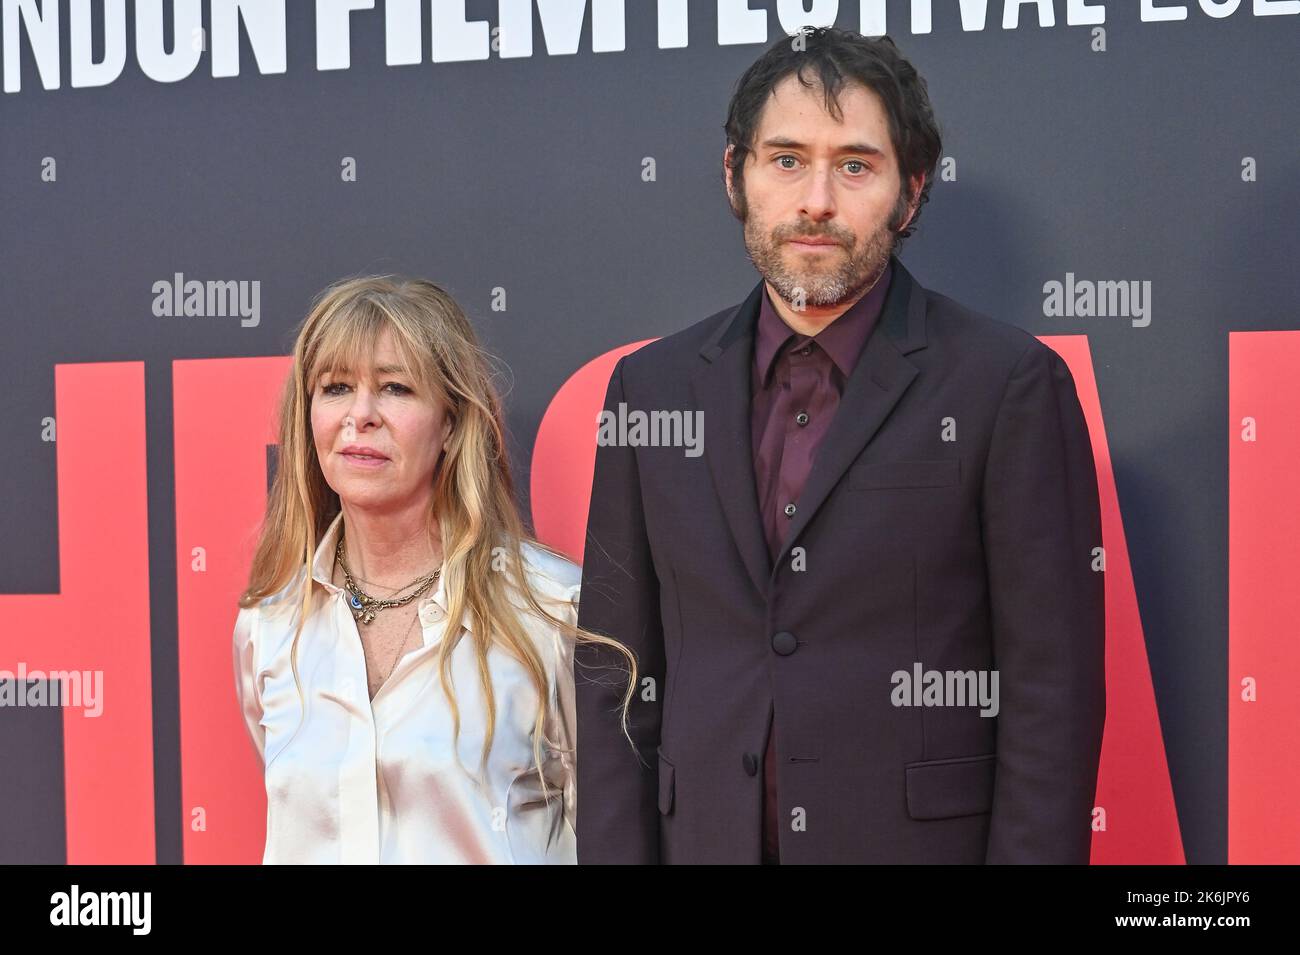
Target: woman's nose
[(363, 408)]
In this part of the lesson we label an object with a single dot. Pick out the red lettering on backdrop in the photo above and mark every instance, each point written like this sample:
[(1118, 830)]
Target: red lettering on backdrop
[(1263, 601), (564, 454), (221, 458), (1133, 787), (225, 417), (220, 498), (99, 619)]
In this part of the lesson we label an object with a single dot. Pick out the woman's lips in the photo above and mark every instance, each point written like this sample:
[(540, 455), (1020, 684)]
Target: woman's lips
[(365, 460)]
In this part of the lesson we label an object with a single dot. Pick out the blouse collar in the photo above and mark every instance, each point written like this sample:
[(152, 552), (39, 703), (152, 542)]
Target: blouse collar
[(323, 570)]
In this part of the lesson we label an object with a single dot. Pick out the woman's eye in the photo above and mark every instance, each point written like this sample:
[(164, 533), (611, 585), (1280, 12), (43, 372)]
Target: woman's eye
[(337, 388)]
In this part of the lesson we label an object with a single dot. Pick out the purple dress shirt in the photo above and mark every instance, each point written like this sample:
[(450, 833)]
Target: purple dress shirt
[(796, 385)]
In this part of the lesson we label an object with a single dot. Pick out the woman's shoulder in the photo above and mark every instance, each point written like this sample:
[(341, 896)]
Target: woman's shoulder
[(555, 582), (283, 601), (288, 594), (551, 574)]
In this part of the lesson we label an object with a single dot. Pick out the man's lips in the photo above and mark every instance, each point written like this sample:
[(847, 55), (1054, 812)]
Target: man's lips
[(813, 242)]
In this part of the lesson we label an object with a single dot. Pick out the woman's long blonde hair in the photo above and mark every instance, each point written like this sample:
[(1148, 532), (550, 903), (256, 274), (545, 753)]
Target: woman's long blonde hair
[(473, 497)]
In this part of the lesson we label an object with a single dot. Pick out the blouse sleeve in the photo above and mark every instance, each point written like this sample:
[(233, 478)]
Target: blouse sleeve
[(562, 730), (245, 677)]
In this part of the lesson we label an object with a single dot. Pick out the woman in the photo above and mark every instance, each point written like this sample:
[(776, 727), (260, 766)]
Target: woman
[(403, 652)]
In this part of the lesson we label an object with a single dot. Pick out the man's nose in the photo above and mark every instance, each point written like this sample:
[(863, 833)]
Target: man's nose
[(819, 199)]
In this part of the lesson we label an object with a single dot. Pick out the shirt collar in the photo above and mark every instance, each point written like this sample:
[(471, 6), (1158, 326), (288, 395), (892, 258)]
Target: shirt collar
[(323, 570), (842, 339)]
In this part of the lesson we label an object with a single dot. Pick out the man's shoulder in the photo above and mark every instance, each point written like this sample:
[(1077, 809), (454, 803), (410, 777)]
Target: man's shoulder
[(948, 323), (970, 334), (947, 318), (681, 347)]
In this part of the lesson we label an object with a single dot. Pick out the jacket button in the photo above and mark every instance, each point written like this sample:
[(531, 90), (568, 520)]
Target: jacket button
[(751, 764), (784, 643), (801, 419)]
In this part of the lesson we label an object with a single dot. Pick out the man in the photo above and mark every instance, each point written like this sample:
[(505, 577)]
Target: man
[(892, 486)]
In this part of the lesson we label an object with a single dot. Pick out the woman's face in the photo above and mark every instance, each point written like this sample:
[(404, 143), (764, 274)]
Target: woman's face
[(377, 440)]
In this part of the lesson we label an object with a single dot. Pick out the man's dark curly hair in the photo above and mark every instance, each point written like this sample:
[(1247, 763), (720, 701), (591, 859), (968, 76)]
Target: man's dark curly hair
[(828, 58)]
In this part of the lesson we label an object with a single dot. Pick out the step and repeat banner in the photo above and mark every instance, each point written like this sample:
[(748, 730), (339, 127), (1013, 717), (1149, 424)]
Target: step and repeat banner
[(179, 179)]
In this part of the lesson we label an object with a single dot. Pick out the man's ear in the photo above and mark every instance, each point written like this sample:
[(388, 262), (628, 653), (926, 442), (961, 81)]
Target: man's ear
[(726, 173), (915, 183)]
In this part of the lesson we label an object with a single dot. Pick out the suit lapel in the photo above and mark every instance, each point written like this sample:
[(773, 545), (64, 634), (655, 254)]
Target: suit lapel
[(722, 391), (879, 380)]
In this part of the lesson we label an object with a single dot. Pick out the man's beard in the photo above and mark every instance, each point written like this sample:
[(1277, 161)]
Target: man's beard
[(802, 285)]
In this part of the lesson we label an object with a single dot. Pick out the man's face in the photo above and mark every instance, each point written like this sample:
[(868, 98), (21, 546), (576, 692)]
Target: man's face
[(819, 195)]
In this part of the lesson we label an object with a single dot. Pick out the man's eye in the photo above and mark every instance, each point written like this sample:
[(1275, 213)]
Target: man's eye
[(859, 163), (781, 159)]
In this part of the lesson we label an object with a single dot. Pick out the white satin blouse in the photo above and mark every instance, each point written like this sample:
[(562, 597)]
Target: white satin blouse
[(365, 781)]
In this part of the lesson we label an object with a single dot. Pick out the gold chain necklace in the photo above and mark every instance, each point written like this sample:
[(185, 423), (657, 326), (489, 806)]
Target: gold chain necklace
[(393, 665), (363, 606)]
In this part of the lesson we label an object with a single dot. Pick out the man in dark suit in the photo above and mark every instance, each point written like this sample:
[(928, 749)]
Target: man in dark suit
[(896, 505)]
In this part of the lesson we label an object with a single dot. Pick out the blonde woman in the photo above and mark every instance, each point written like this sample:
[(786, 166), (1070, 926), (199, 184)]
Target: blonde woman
[(404, 650)]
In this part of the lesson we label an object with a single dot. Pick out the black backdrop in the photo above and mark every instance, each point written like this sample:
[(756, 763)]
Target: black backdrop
[(526, 175)]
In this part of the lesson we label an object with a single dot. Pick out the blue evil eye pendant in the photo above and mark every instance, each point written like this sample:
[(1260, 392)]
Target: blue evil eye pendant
[(358, 610)]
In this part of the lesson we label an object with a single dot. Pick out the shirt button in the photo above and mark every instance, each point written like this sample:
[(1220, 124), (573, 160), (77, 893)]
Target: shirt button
[(789, 510), (801, 418), (806, 350)]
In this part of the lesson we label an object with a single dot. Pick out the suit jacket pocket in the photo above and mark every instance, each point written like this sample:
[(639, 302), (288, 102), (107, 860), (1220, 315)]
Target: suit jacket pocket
[(944, 788), (905, 474), (665, 785)]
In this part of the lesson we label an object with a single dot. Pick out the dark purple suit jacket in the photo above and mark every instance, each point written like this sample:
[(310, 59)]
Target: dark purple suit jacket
[(971, 554)]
